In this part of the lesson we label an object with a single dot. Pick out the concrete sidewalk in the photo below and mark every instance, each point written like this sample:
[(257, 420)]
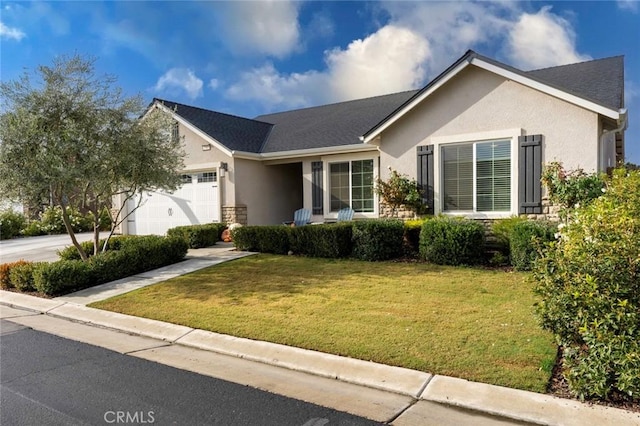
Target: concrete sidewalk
[(383, 393)]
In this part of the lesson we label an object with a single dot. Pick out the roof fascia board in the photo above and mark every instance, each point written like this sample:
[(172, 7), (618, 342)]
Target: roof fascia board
[(283, 155), (408, 107), (195, 130), (534, 84)]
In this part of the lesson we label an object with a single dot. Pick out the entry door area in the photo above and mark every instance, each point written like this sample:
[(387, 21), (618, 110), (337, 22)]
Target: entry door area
[(196, 202)]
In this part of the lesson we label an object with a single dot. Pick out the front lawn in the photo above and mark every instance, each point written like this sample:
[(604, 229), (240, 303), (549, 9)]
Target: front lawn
[(464, 322)]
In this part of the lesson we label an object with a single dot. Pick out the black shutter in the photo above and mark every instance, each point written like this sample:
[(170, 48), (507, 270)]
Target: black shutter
[(529, 174), (425, 175), (316, 187)]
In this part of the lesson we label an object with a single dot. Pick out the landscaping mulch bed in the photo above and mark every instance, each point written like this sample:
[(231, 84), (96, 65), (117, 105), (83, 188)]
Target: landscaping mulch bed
[(558, 387)]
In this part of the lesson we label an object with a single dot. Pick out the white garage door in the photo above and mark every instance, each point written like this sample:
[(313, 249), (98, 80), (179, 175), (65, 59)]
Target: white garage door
[(195, 202)]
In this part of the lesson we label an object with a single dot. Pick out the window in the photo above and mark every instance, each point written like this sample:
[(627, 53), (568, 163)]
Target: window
[(185, 178), (175, 132), (477, 176), (351, 185), (207, 177)]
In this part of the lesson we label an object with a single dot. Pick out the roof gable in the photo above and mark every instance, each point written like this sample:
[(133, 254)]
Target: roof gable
[(600, 87), (235, 133)]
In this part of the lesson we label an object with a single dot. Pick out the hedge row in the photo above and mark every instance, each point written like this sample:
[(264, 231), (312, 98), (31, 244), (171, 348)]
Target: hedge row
[(441, 240), (127, 256), (198, 236), (326, 240)]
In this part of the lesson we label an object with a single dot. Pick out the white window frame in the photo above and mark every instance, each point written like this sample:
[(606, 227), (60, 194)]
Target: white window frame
[(479, 137), (326, 170)]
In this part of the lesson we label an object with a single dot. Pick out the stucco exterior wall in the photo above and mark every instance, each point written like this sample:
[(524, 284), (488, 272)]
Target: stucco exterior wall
[(271, 192), (477, 101)]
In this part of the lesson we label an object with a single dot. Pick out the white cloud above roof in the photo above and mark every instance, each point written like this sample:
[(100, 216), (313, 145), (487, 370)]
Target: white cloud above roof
[(11, 33), (629, 5), (181, 80), (267, 27), (541, 40)]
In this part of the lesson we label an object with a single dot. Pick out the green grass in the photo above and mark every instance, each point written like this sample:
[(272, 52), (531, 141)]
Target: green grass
[(471, 323)]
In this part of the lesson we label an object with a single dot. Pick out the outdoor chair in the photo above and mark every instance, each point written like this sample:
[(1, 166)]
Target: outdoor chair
[(300, 217), (345, 214)]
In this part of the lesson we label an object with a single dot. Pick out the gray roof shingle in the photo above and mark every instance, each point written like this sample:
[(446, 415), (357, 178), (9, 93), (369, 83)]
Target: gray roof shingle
[(236, 133), (600, 80), (329, 125)]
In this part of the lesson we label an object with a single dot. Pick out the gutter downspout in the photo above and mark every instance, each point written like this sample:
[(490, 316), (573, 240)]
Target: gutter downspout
[(623, 122)]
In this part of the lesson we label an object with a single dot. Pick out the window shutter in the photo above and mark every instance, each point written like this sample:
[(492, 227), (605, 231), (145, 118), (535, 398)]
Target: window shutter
[(316, 187), (529, 174), (425, 175)]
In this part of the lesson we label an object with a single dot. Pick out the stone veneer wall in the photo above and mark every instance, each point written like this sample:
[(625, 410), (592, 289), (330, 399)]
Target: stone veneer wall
[(403, 212), (234, 214)]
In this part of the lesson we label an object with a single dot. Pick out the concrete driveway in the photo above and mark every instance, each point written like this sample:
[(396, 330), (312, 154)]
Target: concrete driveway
[(38, 249)]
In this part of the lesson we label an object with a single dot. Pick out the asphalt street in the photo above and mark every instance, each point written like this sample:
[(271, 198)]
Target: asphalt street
[(38, 249), (49, 380)]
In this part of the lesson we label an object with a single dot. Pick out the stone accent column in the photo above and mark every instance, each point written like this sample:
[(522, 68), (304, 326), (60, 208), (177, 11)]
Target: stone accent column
[(234, 214)]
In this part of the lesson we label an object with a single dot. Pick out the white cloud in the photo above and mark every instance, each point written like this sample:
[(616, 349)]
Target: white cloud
[(214, 83), (180, 80), (11, 33), (264, 27), (542, 40), (385, 62), (629, 5)]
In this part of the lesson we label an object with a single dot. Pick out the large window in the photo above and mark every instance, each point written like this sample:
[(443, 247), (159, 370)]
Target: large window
[(352, 185), (477, 176)]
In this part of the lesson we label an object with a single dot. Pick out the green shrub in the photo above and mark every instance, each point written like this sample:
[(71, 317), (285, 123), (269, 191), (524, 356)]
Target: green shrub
[(589, 283), (411, 237), (263, 239), (325, 240), (115, 243), (502, 229), (33, 229), (5, 270), (21, 276), (110, 266), (10, 224), (452, 241), (377, 239), (526, 241), (63, 276), (198, 236)]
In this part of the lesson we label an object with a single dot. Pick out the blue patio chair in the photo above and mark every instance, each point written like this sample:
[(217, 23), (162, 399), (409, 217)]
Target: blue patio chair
[(345, 214), (300, 217)]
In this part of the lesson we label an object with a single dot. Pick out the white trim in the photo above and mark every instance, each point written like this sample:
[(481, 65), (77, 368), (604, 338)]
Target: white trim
[(297, 153), (415, 102), (561, 94), (506, 134), (194, 129)]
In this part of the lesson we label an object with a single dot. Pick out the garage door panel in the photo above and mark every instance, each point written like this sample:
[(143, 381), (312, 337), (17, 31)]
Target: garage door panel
[(191, 204)]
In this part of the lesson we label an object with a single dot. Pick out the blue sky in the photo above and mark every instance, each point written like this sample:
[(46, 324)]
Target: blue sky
[(248, 58)]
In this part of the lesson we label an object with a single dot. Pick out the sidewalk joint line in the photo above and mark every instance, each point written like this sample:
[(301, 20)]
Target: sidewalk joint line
[(176, 340), (166, 344), (402, 411), (426, 383)]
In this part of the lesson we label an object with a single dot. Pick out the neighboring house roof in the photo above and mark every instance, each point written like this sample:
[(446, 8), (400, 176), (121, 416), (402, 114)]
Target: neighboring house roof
[(235, 133), (597, 85), (328, 125)]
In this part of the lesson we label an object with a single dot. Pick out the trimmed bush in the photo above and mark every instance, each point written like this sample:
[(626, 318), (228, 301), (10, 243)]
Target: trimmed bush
[(526, 241), (10, 224), (452, 241), (326, 240), (115, 243), (502, 230), (263, 239), (62, 277), (377, 239), (589, 282), (411, 237), (198, 236), (21, 276), (5, 270)]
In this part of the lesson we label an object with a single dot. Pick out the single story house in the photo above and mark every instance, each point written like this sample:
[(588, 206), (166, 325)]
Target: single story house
[(475, 138)]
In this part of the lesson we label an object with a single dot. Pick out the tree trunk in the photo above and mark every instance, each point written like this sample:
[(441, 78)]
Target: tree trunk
[(74, 240)]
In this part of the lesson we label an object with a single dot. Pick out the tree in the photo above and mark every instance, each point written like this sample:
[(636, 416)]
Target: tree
[(399, 191), (70, 134)]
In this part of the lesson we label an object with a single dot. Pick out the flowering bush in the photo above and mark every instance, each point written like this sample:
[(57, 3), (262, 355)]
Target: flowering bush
[(589, 281), (569, 189), (399, 191)]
